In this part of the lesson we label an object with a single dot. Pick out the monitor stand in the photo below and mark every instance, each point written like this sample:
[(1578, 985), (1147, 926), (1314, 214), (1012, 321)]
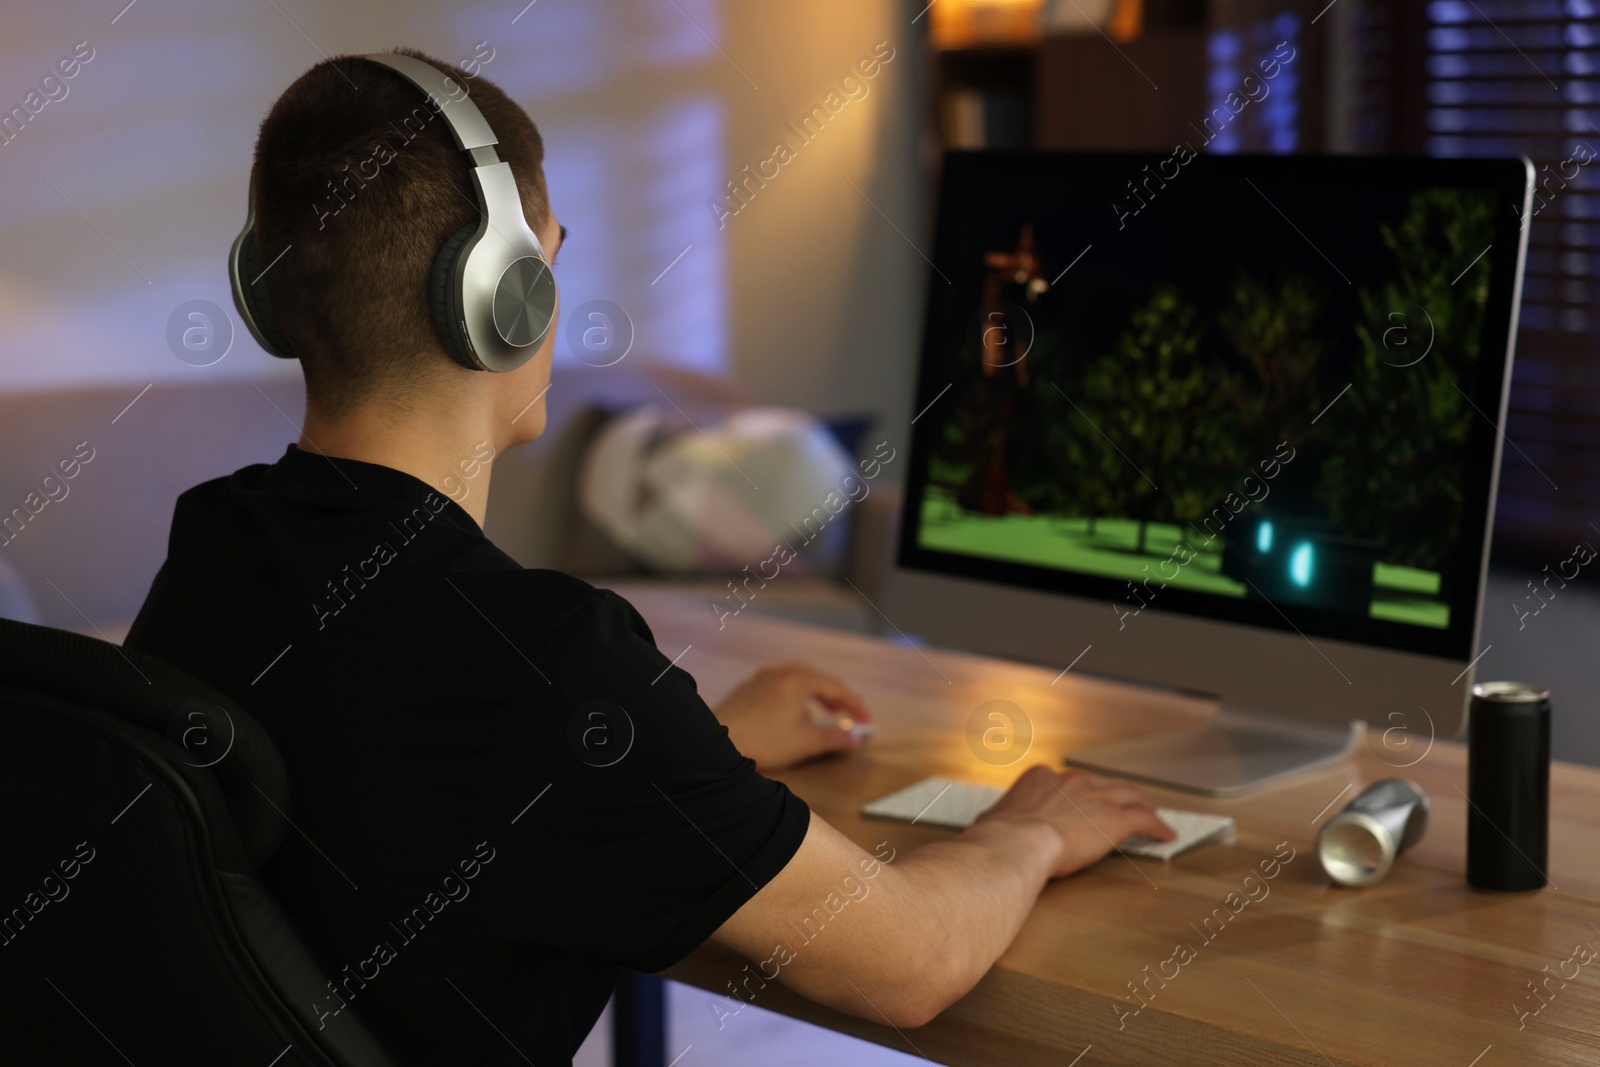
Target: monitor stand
[(1238, 752)]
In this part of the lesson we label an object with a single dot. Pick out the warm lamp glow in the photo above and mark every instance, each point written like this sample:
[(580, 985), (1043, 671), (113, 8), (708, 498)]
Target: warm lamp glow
[(962, 23), (1127, 20)]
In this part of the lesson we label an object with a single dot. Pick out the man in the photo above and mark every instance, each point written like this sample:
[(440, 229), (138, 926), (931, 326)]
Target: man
[(502, 791)]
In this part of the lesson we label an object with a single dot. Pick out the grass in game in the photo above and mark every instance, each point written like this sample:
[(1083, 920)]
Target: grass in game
[(1401, 594)]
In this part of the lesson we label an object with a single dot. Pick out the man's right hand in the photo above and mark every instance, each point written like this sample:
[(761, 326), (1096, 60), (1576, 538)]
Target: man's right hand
[(914, 931), (1090, 814)]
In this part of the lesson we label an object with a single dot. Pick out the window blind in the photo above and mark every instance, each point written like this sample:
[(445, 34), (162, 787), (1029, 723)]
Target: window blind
[(1509, 77)]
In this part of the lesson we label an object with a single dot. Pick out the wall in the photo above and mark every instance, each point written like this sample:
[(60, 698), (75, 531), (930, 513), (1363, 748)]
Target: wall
[(829, 282), (122, 195)]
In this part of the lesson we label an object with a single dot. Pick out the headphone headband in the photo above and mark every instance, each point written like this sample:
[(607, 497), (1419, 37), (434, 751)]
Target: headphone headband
[(491, 292), (467, 124)]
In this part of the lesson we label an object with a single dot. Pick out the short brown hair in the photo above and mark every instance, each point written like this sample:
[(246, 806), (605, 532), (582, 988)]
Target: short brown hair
[(356, 179)]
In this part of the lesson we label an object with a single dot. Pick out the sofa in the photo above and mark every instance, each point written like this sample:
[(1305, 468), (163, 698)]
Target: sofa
[(79, 552)]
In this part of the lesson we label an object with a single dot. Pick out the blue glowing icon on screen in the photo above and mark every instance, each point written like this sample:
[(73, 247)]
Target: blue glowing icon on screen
[(1300, 565), (1264, 537)]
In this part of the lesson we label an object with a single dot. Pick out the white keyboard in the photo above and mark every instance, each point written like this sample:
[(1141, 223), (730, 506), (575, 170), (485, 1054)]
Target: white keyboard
[(947, 802)]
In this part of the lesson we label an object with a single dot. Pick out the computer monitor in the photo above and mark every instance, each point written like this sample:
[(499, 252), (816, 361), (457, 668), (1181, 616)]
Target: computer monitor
[(1225, 423)]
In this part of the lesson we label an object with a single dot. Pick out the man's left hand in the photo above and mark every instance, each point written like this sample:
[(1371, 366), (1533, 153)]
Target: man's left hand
[(768, 718)]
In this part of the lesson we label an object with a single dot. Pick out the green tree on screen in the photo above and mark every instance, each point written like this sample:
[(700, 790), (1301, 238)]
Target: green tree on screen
[(1393, 445), (1273, 330), (1151, 398)]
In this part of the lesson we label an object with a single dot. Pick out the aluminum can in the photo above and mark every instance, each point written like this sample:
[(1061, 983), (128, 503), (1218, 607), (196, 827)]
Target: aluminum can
[(1359, 845), (1508, 786)]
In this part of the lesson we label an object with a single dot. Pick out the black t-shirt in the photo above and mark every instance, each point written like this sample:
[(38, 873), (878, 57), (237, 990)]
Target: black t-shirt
[(501, 790)]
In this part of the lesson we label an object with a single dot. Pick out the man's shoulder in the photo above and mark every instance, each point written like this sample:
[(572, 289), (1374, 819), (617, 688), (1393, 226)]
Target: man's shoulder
[(540, 605), (217, 497), (216, 487), (485, 566)]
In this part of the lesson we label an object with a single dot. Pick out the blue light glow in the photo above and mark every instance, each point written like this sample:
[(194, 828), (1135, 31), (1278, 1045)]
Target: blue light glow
[(1264, 537), (1300, 565)]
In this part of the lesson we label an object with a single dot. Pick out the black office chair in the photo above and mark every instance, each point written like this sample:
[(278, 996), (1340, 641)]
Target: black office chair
[(138, 804)]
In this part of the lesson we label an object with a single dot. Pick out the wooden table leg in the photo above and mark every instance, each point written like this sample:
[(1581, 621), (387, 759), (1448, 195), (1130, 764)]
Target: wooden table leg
[(639, 1021)]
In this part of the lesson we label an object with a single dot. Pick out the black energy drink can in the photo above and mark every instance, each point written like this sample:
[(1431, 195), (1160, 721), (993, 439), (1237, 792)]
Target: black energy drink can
[(1508, 786)]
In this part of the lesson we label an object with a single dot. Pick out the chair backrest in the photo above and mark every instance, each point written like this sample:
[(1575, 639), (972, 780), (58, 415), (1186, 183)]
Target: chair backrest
[(137, 804)]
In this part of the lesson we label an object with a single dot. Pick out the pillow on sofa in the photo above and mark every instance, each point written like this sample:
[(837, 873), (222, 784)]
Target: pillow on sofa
[(680, 500)]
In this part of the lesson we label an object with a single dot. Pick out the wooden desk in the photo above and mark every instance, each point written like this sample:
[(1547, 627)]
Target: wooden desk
[(1418, 970)]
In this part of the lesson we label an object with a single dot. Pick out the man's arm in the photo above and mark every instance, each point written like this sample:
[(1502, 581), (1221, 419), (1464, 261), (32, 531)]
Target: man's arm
[(901, 943)]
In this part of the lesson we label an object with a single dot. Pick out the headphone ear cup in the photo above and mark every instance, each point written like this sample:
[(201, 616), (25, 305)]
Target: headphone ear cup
[(440, 297), (256, 299)]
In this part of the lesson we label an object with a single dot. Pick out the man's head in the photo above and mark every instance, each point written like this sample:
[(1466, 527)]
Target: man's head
[(358, 186)]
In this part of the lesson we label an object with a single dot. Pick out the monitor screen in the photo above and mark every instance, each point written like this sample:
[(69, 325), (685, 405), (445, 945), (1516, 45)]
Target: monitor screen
[(1258, 389)]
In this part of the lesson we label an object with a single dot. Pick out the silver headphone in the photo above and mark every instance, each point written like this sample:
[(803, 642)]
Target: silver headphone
[(491, 293)]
